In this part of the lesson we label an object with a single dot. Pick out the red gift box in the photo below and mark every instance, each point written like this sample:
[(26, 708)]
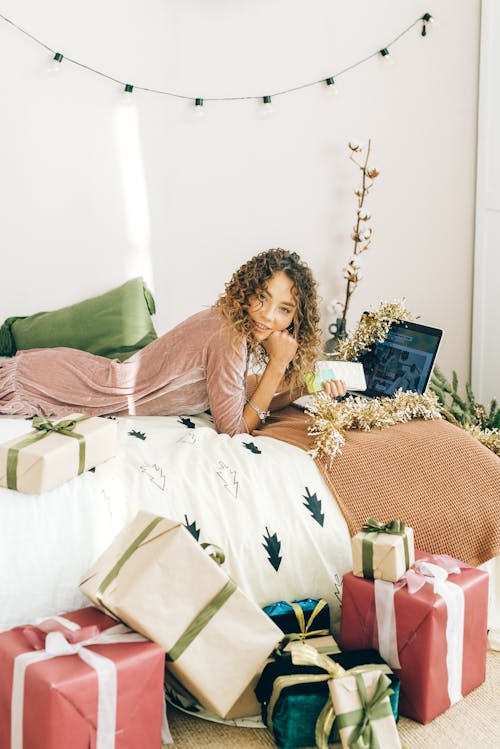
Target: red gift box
[(57, 705), (441, 639)]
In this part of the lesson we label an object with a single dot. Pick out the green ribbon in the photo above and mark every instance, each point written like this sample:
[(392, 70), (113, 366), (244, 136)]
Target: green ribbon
[(201, 620), (393, 528), (43, 428), (363, 736)]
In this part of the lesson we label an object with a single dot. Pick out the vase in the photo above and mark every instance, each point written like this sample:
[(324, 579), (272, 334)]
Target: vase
[(338, 332)]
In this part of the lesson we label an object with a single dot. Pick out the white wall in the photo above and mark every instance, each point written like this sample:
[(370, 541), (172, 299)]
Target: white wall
[(92, 192)]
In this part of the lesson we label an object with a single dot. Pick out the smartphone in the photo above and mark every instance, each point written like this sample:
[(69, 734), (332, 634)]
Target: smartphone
[(351, 372)]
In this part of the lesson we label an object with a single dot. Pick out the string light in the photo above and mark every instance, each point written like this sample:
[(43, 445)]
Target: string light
[(198, 101)]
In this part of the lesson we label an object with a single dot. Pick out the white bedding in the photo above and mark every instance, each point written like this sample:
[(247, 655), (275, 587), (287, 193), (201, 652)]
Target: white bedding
[(263, 501)]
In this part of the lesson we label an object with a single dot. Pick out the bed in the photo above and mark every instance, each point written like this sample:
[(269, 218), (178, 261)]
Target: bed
[(283, 519)]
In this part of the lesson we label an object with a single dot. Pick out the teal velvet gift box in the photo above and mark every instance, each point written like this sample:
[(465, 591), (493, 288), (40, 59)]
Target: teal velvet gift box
[(293, 714), (309, 617)]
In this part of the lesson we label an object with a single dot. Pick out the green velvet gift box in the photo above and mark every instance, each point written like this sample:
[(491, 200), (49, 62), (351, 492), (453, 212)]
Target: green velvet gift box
[(293, 714)]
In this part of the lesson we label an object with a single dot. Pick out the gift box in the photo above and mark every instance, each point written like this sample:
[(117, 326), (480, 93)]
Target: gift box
[(434, 637), (56, 451), (80, 681), (383, 550), (157, 579), (363, 711), (293, 696), (309, 617)]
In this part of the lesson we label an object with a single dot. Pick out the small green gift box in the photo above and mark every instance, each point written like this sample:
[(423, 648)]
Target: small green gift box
[(383, 551)]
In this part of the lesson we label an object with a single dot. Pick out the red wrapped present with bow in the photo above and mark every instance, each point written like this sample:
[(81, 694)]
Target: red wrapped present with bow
[(80, 681), (431, 628)]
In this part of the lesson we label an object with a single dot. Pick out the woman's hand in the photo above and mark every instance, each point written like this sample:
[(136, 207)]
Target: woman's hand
[(281, 348), (335, 388)]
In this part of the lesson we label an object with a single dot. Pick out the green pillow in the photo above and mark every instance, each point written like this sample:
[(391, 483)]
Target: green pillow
[(115, 324)]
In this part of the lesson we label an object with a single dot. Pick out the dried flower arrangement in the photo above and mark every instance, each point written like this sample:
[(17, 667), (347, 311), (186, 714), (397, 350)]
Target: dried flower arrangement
[(361, 234)]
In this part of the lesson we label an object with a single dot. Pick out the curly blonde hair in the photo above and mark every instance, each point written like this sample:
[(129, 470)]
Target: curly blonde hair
[(251, 278)]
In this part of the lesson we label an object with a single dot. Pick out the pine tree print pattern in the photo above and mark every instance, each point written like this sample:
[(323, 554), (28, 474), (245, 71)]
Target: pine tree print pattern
[(139, 435), (156, 474), (191, 527), (337, 588), (186, 421), (273, 547), (252, 447), (228, 477), (313, 504)]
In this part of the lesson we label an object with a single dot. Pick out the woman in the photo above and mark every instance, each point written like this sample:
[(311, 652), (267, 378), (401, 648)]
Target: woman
[(268, 312)]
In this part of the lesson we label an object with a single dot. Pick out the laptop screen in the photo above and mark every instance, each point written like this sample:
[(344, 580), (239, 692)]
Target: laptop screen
[(404, 360)]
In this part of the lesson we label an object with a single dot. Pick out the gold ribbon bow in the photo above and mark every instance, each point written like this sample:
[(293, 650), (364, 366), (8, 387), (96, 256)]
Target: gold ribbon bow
[(305, 629), (44, 427), (394, 528)]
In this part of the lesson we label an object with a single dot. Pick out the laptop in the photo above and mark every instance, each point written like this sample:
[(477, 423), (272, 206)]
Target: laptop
[(403, 360)]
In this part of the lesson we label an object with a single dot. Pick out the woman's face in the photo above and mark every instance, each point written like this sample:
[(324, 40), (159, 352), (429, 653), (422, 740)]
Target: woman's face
[(273, 308)]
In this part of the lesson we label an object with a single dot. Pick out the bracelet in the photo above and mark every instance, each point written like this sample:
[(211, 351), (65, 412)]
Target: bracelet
[(260, 413)]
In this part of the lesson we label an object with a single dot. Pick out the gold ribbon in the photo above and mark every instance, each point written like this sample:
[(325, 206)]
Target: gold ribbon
[(305, 629), (43, 428), (393, 528)]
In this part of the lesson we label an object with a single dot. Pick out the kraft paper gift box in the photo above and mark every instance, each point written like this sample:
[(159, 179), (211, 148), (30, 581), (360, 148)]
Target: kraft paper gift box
[(291, 706), (157, 579), (309, 617), (434, 638), (363, 710), (56, 451), (383, 550), (54, 701)]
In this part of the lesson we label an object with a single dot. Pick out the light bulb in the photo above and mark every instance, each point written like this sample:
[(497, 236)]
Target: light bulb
[(126, 94), (267, 106), (198, 107), (55, 63), (331, 86), (386, 56)]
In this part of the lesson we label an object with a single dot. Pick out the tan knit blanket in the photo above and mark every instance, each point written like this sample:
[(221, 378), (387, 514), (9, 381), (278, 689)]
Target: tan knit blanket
[(431, 474)]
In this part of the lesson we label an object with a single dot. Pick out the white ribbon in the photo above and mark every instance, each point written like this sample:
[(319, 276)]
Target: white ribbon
[(386, 623), (453, 596), (57, 645)]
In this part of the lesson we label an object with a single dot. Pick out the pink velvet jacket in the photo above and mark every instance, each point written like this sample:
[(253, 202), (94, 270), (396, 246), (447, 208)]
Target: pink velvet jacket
[(194, 367)]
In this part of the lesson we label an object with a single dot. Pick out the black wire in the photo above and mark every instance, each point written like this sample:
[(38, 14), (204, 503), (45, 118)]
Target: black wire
[(214, 98)]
